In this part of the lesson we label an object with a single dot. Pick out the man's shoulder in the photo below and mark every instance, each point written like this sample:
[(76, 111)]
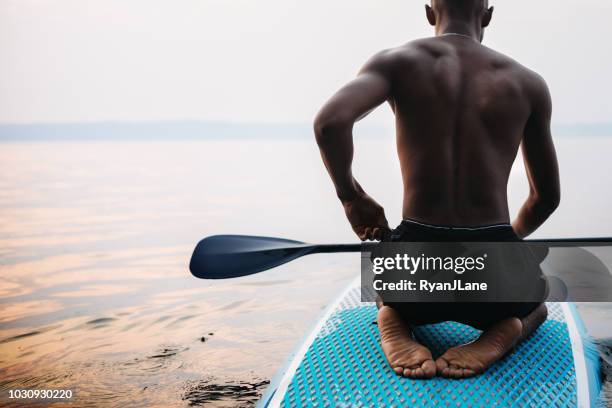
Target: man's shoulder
[(412, 52), (527, 76), (421, 52)]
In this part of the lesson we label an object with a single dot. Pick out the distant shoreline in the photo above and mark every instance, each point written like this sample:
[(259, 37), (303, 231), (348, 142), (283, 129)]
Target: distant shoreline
[(204, 130)]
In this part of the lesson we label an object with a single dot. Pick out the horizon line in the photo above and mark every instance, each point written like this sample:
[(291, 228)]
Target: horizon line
[(198, 129)]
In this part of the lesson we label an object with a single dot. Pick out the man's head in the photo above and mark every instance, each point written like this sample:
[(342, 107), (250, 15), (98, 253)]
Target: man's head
[(472, 13)]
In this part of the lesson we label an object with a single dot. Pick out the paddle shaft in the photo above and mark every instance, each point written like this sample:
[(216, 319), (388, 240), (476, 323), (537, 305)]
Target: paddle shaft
[(565, 242), (333, 248), (555, 243)]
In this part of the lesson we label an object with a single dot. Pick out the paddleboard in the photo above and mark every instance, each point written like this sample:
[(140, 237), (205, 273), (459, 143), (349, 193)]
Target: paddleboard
[(340, 364)]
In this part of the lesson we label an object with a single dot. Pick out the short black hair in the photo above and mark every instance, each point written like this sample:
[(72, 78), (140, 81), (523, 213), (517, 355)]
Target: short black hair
[(460, 7)]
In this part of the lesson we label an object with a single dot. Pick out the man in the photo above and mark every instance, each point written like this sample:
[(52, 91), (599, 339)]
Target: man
[(462, 111)]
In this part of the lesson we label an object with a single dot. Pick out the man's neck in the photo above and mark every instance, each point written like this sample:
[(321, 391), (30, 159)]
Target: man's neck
[(467, 29)]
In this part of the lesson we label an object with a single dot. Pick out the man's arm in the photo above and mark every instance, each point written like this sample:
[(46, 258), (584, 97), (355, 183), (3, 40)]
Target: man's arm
[(541, 164), (334, 132)]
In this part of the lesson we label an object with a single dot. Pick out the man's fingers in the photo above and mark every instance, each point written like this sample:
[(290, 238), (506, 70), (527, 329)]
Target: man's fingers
[(372, 233), (377, 233), (361, 232), (381, 233), (364, 233)]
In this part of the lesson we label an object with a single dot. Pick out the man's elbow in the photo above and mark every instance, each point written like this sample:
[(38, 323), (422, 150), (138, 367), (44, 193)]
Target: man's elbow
[(549, 202), (553, 202), (327, 126)]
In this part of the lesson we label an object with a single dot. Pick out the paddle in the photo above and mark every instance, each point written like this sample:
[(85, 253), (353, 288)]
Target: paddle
[(232, 256)]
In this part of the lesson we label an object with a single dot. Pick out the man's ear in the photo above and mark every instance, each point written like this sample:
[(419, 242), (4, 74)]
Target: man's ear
[(488, 15), (431, 16)]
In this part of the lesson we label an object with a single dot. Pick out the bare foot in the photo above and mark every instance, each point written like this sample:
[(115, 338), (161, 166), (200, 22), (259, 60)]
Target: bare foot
[(474, 358), (405, 356)]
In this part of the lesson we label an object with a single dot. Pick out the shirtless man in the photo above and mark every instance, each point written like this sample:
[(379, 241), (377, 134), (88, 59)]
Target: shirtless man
[(462, 110)]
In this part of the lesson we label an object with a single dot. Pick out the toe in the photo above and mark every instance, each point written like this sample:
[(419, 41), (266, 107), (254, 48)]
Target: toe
[(441, 366), (468, 373), (418, 373), (429, 369), (426, 370), (454, 372), (398, 370)]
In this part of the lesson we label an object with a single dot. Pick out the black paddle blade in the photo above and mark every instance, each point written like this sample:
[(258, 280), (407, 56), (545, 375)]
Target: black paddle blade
[(231, 256)]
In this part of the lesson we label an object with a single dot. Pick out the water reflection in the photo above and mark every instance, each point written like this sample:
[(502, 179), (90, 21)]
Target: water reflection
[(95, 293)]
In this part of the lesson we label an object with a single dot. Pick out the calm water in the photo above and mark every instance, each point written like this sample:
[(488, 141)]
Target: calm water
[(95, 239)]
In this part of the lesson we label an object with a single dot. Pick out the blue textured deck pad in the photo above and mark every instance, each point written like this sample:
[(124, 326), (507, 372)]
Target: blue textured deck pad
[(345, 367)]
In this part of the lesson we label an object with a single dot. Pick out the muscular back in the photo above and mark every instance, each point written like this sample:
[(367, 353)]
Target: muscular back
[(460, 110)]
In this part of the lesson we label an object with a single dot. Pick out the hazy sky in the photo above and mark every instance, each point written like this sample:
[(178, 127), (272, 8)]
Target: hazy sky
[(264, 60)]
